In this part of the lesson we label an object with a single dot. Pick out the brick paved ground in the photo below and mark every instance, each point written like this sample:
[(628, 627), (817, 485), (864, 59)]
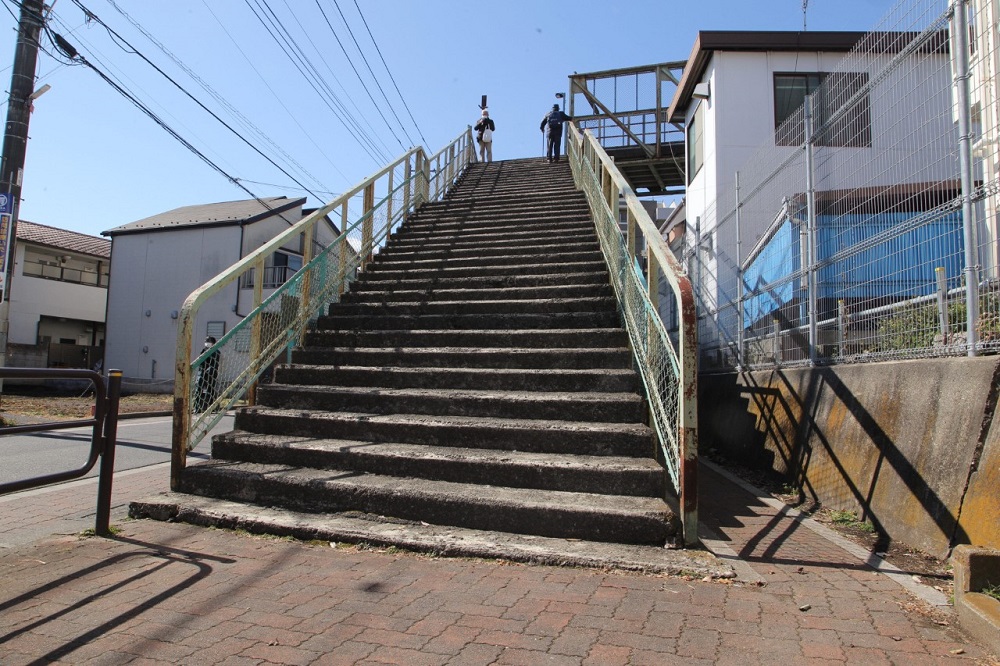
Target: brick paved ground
[(176, 594)]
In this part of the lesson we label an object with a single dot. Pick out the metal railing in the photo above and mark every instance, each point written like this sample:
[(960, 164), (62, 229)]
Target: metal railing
[(102, 441), (227, 372), (668, 367)]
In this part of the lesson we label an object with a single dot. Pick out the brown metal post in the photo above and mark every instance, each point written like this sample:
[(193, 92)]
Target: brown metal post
[(367, 226), (102, 526)]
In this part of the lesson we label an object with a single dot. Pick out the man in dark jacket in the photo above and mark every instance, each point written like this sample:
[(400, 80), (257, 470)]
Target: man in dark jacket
[(552, 122)]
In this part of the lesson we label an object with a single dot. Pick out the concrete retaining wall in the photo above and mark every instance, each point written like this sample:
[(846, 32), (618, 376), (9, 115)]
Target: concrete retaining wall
[(911, 445)]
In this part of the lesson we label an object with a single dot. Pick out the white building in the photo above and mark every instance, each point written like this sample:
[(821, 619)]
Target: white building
[(158, 261), (741, 101), (58, 294)]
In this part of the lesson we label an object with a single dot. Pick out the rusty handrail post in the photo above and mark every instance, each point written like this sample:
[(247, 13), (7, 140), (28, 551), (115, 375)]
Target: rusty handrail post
[(107, 410)]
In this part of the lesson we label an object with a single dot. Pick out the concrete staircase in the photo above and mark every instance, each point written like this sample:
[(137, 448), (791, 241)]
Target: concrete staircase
[(475, 378)]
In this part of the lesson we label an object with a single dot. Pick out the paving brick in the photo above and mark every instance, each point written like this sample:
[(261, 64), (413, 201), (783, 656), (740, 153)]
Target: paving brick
[(173, 593)]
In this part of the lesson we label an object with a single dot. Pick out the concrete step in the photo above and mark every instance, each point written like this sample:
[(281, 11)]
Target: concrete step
[(468, 227), (443, 270), (483, 262), (608, 518), (502, 379), (605, 475), (548, 405), (549, 292), (339, 321), (479, 338), (489, 252), (370, 282), (439, 541), (550, 306), (465, 357), (535, 435), (435, 239)]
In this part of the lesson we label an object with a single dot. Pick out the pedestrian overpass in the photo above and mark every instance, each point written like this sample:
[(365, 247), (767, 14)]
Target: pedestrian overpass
[(626, 111)]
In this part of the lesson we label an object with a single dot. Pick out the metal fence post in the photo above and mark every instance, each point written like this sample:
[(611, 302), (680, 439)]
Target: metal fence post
[(811, 226), (740, 305), (841, 325), (109, 435), (942, 302), (960, 54)]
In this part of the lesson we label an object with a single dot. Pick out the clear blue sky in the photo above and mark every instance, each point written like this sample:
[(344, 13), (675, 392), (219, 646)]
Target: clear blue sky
[(94, 161)]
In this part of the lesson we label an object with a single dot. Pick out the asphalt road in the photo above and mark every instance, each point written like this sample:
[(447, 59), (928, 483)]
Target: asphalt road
[(141, 442)]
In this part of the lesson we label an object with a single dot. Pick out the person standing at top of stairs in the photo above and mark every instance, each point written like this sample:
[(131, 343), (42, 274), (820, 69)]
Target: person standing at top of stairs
[(485, 128), (553, 121)]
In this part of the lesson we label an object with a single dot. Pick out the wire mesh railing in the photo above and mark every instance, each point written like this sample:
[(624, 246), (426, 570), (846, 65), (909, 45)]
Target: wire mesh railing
[(667, 367), (868, 229), (227, 370)]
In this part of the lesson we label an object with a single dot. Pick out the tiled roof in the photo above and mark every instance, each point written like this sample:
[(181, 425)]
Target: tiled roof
[(215, 214), (62, 239)]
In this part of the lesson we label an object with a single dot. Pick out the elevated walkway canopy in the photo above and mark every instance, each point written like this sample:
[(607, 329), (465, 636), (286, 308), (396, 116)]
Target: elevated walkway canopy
[(626, 109)]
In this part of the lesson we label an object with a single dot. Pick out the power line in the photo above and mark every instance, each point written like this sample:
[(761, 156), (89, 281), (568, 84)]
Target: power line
[(135, 51), (374, 78), (288, 46), (271, 90), (351, 63), (391, 78), (240, 117)]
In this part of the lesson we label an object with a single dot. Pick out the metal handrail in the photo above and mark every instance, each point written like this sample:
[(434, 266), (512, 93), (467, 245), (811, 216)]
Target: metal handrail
[(669, 374), (278, 322), (102, 441)]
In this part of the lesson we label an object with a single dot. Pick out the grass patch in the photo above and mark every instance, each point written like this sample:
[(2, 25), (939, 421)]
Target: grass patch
[(114, 530), (992, 590), (850, 520)]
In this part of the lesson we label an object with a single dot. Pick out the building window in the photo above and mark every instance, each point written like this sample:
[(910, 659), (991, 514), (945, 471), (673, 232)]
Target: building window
[(841, 108), (65, 268), (278, 269), (695, 143)]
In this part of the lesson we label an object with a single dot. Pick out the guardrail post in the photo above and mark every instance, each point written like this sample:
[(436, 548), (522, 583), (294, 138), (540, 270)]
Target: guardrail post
[(255, 329), (306, 285), (109, 436), (407, 185), (182, 399), (342, 269), (368, 226)]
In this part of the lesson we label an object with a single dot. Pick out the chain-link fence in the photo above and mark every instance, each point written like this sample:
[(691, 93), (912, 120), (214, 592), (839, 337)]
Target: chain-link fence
[(868, 227), (227, 371), (666, 366)]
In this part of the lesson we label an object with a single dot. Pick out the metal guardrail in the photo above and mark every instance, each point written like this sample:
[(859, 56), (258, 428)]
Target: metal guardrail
[(668, 369), (102, 441), (228, 371)]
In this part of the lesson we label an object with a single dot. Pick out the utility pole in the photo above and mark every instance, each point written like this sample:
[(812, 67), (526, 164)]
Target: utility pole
[(15, 141)]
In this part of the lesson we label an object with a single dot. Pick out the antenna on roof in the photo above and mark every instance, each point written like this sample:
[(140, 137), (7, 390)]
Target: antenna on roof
[(805, 5)]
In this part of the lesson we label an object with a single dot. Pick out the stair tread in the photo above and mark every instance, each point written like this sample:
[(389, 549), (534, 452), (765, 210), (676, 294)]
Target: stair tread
[(467, 493), (439, 540), (506, 424), (551, 396), (452, 453)]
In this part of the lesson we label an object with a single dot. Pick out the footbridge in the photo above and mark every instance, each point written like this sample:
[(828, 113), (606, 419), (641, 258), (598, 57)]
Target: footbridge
[(626, 112)]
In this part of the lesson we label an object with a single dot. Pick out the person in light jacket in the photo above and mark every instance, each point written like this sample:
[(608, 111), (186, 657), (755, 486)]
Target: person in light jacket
[(484, 135)]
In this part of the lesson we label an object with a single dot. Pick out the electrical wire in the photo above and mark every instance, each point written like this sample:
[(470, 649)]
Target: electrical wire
[(374, 78), (358, 74), (192, 97), (288, 47), (242, 119), (277, 97), (391, 78)]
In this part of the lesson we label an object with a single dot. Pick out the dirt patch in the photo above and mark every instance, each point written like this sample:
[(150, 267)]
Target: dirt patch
[(42, 407)]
